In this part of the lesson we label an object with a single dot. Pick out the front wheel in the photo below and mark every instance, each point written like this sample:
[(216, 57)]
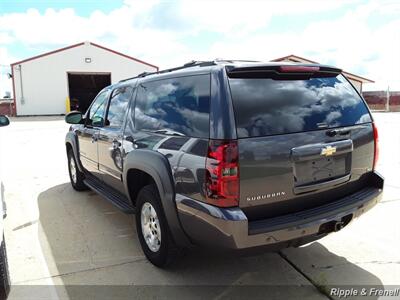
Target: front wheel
[(152, 228), (75, 175)]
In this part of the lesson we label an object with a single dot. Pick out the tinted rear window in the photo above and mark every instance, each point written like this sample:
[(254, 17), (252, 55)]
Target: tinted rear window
[(265, 106)]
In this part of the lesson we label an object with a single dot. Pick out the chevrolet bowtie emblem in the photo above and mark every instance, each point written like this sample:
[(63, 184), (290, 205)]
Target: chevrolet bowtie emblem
[(328, 150)]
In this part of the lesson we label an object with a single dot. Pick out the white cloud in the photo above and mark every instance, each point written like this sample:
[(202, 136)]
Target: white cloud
[(246, 16), (5, 38), (5, 59), (348, 41)]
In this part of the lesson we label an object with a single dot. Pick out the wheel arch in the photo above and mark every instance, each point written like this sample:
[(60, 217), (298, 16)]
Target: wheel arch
[(136, 179), (152, 167), (72, 143)]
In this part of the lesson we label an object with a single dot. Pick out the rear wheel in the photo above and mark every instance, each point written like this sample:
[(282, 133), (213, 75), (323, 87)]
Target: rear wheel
[(75, 175), (4, 274), (152, 228)]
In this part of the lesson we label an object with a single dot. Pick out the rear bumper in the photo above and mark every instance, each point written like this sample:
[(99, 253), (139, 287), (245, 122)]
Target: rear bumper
[(229, 228)]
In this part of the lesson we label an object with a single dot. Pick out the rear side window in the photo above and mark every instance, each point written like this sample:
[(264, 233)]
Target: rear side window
[(178, 106), (266, 106)]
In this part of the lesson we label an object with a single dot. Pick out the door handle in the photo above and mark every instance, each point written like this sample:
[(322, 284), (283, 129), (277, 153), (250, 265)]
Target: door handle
[(334, 132), (94, 138)]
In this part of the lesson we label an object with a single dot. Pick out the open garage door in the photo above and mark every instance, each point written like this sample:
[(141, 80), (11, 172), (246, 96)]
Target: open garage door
[(83, 88)]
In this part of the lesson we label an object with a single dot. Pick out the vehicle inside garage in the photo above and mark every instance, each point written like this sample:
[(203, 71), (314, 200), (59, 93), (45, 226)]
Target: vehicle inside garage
[(83, 88)]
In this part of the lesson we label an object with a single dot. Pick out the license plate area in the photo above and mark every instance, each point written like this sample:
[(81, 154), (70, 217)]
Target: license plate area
[(321, 169), (322, 165)]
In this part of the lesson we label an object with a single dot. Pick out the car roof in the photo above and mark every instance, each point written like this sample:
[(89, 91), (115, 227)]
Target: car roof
[(204, 67)]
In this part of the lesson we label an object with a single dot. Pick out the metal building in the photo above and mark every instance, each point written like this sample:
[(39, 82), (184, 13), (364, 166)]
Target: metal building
[(69, 78)]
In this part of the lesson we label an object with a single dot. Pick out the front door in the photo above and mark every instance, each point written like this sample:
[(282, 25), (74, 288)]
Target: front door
[(88, 135), (110, 138)]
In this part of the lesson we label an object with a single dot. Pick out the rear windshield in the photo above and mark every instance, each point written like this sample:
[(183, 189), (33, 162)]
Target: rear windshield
[(266, 106)]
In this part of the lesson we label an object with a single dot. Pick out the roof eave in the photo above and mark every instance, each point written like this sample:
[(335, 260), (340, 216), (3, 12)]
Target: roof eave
[(359, 78), (46, 54), (81, 44)]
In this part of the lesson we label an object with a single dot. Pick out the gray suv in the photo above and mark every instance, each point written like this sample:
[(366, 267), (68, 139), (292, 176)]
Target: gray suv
[(229, 154)]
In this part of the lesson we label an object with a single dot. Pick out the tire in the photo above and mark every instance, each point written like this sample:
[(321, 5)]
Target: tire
[(4, 274), (164, 250), (76, 177)]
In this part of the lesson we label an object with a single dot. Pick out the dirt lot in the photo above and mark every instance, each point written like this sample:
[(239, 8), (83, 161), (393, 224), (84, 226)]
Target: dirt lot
[(58, 238)]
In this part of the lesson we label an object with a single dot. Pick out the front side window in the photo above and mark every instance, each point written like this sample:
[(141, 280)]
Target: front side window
[(96, 113), (178, 106), (118, 106)]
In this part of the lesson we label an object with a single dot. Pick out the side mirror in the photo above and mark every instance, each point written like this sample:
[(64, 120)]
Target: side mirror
[(74, 117), (4, 120)]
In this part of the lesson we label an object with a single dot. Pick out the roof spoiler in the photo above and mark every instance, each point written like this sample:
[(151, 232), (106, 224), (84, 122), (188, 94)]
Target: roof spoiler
[(282, 71)]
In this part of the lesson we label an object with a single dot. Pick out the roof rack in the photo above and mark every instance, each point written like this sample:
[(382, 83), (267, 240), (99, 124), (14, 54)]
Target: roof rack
[(190, 64), (193, 63), (236, 60)]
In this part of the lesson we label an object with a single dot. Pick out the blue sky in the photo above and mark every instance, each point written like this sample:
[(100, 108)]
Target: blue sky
[(360, 36)]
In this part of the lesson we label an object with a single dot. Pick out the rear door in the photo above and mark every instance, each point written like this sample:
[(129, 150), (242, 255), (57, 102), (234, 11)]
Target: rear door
[(170, 114), (304, 140), (110, 138), (88, 134)]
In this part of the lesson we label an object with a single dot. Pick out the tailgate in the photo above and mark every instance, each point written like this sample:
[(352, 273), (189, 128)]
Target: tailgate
[(305, 138), (288, 173)]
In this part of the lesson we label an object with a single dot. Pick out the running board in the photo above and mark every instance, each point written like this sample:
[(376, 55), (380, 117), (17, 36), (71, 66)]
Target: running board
[(115, 198)]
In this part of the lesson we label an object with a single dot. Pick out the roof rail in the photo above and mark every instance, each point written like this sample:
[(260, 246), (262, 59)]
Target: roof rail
[(190, 64), (235, 60), (144, 74)]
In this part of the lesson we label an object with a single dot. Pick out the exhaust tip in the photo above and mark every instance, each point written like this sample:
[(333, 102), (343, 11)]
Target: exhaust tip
[(338, 226)]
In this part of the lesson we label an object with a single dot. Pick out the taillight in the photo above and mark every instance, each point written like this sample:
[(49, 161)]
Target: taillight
[(376, 146), (222, 175), (298, 69)]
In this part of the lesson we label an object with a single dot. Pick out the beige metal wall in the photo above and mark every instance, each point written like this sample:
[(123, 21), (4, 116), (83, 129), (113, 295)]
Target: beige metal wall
[(45, 81)]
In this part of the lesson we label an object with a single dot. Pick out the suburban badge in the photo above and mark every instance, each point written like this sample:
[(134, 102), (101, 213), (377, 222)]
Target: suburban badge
[(265, 196)]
